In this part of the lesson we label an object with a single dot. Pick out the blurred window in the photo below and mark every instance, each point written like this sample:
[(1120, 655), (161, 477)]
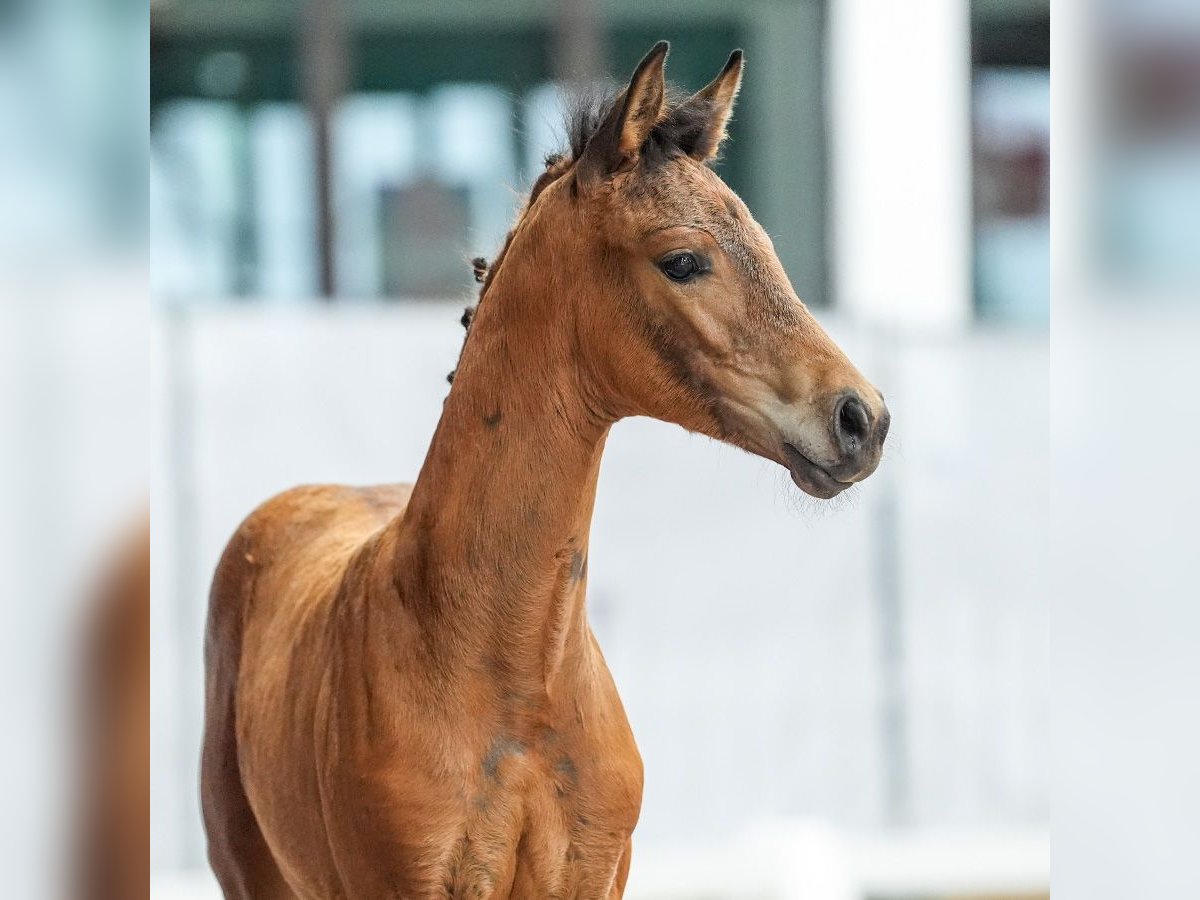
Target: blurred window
[(1149, 176), (1012, 202), (421, 183), (1010, 133), (433, 147)]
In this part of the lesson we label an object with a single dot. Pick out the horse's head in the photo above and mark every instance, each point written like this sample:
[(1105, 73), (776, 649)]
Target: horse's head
[(683, 311)]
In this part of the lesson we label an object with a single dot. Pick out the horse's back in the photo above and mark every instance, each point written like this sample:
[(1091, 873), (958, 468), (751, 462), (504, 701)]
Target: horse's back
[(271, 615)]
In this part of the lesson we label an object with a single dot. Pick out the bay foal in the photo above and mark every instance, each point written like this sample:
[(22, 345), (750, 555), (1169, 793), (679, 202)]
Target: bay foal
[(404, 698)]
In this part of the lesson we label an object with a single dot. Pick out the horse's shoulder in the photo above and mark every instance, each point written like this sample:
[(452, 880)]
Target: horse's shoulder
[(309, 531)]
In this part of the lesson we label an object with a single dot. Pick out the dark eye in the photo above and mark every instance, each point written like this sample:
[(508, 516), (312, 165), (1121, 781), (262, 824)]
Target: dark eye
[(680, 266)]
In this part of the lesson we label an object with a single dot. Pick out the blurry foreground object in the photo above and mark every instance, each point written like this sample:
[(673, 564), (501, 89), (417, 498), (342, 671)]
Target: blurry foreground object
[(1149, 174), (1126, 623), (73, 416), (114, 739)]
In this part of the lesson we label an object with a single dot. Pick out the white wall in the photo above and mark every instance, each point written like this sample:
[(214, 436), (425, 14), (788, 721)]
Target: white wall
[(745, 627)]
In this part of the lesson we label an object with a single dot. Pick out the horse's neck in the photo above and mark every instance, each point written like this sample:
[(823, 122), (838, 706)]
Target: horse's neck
[(492, 551)]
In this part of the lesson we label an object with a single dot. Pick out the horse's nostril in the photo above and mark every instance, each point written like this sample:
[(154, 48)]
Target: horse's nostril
[(853, 422)]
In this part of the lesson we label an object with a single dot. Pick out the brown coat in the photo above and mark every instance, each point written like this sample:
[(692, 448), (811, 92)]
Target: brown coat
[(404, 696)]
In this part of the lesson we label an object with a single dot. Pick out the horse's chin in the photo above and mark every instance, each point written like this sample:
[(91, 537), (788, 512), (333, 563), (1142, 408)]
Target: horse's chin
[(810, 477)]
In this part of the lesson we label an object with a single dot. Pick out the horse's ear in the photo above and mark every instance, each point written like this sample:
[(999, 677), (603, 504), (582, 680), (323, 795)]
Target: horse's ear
[(710, 110), (618, 141)]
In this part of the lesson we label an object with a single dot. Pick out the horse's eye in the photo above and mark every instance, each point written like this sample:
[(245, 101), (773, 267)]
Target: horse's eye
[(680, 266)]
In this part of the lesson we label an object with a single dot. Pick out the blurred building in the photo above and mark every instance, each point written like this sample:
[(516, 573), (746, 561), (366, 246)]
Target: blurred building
[(450, 107), (1011, 151)]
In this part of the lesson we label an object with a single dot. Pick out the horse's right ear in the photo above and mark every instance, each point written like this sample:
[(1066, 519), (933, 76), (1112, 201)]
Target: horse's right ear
[(617, 143), (707, 112)]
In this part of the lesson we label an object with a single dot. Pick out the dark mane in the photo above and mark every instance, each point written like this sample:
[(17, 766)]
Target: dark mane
[(676, 132)]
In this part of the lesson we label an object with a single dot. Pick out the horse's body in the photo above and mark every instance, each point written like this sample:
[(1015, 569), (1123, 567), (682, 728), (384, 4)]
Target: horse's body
[(325, 781), (404, 698)]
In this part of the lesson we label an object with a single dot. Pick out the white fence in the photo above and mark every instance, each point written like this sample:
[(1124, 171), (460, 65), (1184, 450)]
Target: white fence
[(876, 663)]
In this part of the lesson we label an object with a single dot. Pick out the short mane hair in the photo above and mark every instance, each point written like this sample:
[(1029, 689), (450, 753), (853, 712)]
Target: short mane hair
[(676, 132)]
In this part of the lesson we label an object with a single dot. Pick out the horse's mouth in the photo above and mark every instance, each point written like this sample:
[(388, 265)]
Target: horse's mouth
[(810, 477)]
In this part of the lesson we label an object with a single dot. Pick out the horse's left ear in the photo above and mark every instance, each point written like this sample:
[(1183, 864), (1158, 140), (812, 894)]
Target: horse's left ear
[(709, 111), (618, 141)]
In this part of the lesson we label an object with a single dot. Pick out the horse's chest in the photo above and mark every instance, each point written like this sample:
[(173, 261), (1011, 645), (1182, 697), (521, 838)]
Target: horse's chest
[(546, 823)]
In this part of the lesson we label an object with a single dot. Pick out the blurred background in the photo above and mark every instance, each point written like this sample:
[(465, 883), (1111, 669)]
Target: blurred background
[(876, 725)]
